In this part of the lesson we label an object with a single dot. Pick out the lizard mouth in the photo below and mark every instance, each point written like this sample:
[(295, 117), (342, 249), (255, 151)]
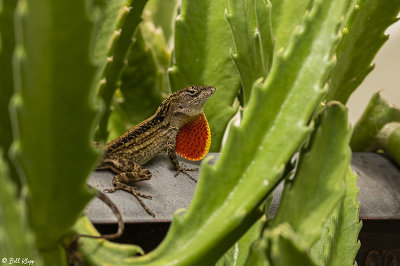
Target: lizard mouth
[(205, 93), (210, 90)]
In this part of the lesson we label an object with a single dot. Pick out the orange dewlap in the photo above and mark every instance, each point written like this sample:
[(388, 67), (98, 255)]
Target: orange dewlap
[(193, 140)]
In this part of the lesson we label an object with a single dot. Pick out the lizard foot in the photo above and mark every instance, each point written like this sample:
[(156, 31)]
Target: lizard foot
[(135, 193), (185, 171)]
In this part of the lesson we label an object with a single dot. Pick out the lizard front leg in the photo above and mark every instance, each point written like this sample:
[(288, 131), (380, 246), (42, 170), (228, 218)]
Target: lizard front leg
[(172, 156)]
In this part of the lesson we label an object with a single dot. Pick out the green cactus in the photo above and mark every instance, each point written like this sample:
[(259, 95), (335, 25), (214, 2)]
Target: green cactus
[(239, 252), (285, 19), (363, 36), (162, 13), (378, 128), (250, 22), (326, 158), (307, 202), (53, 117), (377, 114), (389, 140), (16, 239), (279, 246), (339, 242), (202, 57), (144, 80), (255, 165), (101, 252), (7, 43), (118, 46), (66, 49)]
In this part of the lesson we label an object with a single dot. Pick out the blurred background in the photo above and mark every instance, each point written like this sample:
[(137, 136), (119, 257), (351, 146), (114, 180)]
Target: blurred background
[(385, 76)]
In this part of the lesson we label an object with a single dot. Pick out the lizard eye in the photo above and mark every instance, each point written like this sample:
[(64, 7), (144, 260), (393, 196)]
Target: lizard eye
[(192, 92), (180, 107)]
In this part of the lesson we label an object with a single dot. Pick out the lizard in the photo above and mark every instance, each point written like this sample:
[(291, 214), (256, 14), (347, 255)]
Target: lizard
[(179, 126)]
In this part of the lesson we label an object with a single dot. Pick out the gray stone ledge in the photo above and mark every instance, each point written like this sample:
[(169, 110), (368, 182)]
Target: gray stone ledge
[(378, 179)]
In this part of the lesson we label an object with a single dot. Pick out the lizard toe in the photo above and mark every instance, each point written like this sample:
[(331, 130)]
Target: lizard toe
[(109, 190)]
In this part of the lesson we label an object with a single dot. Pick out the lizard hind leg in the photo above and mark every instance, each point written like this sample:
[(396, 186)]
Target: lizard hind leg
[(123, 181)]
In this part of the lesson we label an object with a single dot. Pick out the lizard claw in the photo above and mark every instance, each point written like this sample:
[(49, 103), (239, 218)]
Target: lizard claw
[(109, 190), (184, 170), (191, 169)]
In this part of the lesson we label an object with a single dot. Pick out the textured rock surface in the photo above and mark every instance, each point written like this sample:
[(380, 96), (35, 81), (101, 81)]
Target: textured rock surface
[(378, 179)]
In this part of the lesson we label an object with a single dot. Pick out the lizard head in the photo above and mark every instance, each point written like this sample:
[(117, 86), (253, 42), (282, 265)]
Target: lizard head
[(187, 104)]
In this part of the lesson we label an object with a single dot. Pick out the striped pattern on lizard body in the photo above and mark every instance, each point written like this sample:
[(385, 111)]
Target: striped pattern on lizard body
[(126, 154)]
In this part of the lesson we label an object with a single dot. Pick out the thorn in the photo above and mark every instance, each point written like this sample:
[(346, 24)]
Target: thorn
[(112, 40)]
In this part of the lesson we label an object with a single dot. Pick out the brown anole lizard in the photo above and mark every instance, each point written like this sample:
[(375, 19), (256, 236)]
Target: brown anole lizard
[(179, 126)]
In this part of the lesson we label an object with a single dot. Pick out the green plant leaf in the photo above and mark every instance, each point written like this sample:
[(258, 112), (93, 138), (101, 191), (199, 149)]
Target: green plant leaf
[(202, 57), (16, 239), (118, 47), (144, 81), (251, 164), (162, 13), (258, 255), (7, 44), (287, 249), (286, 16), (119, 122), (139, 94), (159, 50), (376, 115), (238, 253), (53, 116), (318, 184), (281, 247), (389, 139), (101, 251), (110, 14), (363, 37), (321, 249), (339, 243), (250, 22), (345, 245)]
